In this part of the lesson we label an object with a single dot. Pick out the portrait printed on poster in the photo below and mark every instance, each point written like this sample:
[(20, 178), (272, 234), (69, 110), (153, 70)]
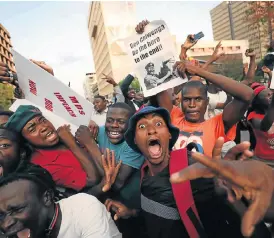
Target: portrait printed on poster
[(153, 56)]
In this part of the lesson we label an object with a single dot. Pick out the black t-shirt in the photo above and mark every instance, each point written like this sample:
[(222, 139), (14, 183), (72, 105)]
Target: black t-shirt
[(219, 218)]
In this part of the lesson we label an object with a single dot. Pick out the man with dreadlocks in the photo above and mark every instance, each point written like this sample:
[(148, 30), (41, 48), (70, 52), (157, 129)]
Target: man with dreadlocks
[(28, 209)]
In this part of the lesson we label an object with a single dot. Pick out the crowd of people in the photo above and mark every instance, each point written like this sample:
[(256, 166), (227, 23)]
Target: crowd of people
[(171, 165)]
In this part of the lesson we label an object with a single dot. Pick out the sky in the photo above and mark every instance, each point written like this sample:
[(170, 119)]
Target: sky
[(57, 32)]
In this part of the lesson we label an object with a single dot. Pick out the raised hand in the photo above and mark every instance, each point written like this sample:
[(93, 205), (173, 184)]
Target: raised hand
[(111, 169), (250, 53), (43, 65), (110, 80), (218, 53), (189, 42), (247, 178), (83, 135), (121, 211), (141, 26), (94, 128), (65, 135)]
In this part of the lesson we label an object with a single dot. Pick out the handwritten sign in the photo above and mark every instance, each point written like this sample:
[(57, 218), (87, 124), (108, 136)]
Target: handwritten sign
[(153, 55), (46, 91)]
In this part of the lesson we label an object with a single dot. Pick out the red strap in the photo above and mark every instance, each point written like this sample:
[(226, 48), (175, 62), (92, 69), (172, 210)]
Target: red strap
[(182, 192)]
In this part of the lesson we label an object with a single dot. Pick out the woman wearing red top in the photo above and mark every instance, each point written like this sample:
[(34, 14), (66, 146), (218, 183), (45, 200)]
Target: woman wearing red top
[(261, 119)]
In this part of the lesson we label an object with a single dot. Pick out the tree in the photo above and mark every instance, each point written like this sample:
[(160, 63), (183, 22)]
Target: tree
[(135, 84), (261, 13)]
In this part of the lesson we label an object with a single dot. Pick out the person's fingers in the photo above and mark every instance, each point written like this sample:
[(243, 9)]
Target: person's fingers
[(192, 172), (255, 213), (104, 163), (113, 162), (219, 44), (116, 217), (106, 187), (237, 150), (108, 204), (247, 154), (217, 150), (216, 166), (108, 156)]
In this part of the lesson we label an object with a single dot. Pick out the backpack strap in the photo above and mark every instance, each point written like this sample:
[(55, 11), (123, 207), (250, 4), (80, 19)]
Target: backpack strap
[(183, 196)]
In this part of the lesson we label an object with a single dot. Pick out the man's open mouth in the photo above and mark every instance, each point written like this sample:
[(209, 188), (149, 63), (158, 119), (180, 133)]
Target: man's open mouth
[(114, 134), (154, 148)]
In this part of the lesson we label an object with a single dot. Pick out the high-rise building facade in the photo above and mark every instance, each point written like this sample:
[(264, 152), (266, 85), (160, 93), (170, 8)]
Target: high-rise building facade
[(109, 22), (5, 48), (229, 23), (6, 90)]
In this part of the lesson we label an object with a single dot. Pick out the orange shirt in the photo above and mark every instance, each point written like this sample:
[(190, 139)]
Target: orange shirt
[(205, 133)]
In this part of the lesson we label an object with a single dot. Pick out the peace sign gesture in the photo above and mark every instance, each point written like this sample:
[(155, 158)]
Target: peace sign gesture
[(252, 179), (111, 169)]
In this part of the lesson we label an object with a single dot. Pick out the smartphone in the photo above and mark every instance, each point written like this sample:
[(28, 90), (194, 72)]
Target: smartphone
[(198, 36)]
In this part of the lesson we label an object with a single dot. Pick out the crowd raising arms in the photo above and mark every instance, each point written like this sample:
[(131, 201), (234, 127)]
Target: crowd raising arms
[(128, 162)]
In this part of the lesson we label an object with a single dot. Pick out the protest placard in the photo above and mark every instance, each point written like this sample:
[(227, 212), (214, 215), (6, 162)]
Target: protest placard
[(53, 118), (46, 91), (153, 55)]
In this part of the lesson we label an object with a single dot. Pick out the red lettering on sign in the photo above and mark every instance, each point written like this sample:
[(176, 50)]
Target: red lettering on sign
[(32, 87), (65, 104), (77, 104), (48, 105), (74, 100)]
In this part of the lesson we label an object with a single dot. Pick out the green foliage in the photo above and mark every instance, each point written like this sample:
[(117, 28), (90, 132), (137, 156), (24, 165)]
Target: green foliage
[(135, 84), (6, 95)]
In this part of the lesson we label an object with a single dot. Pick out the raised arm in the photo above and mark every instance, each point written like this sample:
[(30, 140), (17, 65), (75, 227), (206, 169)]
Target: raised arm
[(126, 83), (249, 78), (119, 95), (218, 53)]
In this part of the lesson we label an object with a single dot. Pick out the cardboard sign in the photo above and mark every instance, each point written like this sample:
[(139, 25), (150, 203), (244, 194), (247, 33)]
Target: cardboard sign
[(153, 55), (53, 118), (47, 92)]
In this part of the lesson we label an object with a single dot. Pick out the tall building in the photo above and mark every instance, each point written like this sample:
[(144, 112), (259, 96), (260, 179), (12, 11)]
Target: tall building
[(90, 85), (5, 48), (229, 23), (6, 90), (109, 22)]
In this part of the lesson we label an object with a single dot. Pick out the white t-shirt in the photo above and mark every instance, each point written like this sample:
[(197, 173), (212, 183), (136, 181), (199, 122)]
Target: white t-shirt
[(214, 99), (99, 118), (83, 216)]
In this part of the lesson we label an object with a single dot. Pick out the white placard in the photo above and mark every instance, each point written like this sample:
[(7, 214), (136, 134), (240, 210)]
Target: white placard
[(153, 55), (46, 91), (53, 118)]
